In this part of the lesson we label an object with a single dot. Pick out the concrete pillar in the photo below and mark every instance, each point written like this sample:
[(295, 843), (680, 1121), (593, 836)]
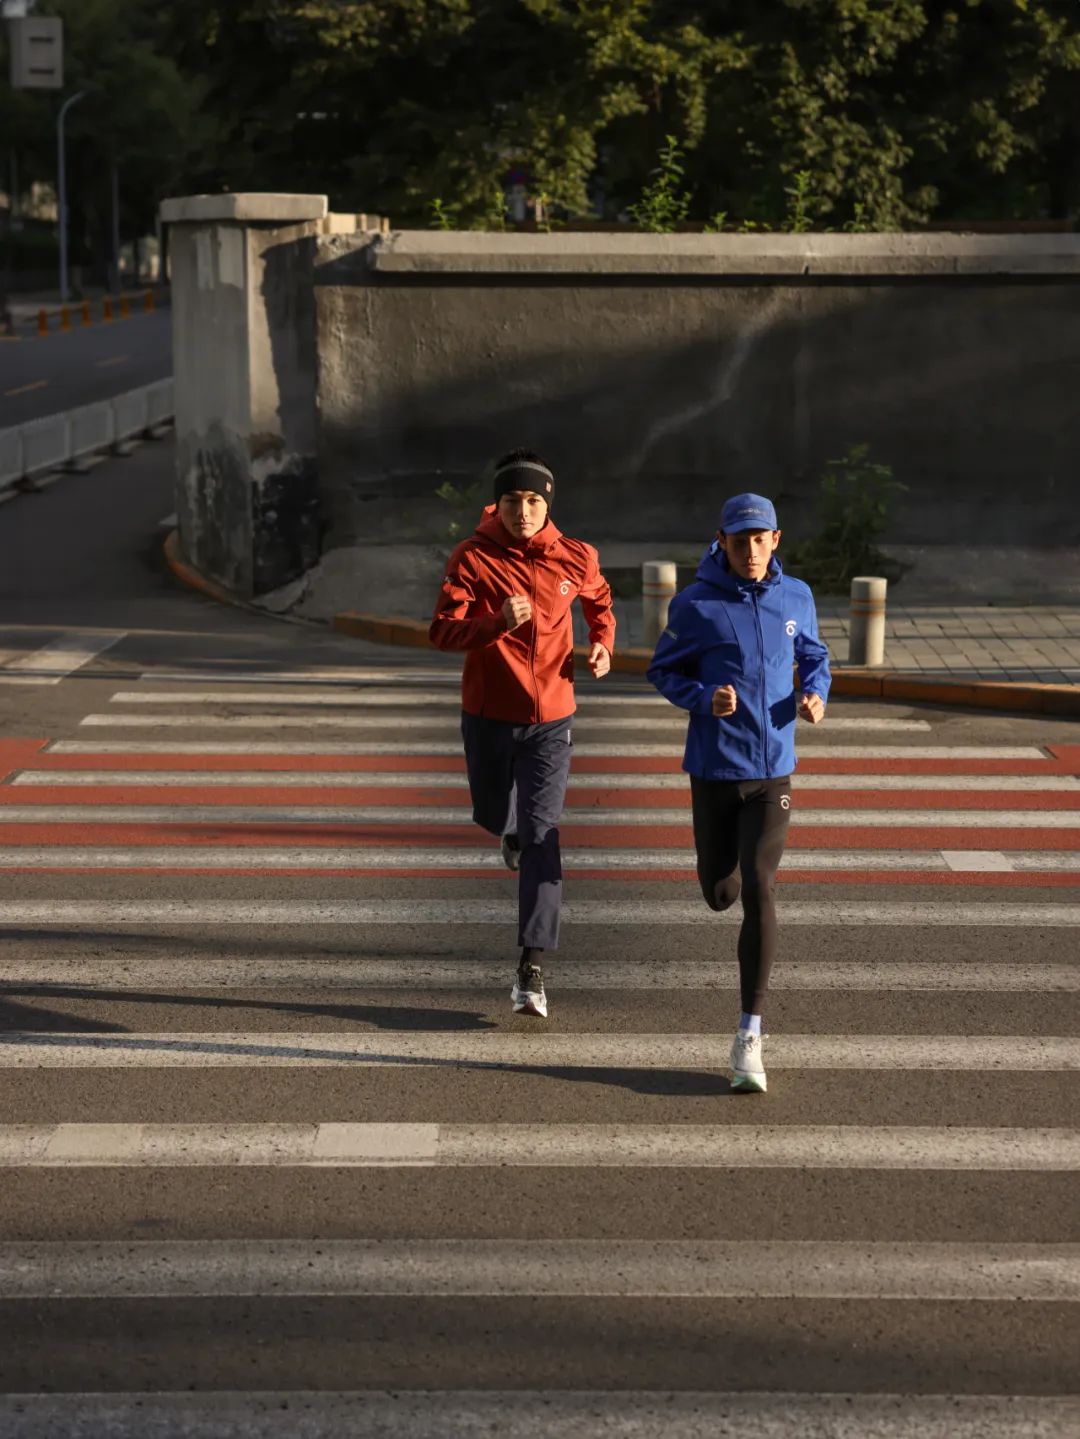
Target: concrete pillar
[(866, 641), (244, 364), (658, 583)]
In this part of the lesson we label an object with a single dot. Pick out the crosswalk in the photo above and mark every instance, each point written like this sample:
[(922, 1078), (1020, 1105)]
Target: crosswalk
[(275, 1157)]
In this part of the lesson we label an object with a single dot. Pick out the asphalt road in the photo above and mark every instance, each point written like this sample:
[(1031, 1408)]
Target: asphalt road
[(276, 1158), (44, 375)]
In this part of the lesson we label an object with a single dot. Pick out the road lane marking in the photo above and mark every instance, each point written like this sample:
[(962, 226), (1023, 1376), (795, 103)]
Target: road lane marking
[(25, 389), (446, 779), (637, 1146), (401, 699), (114, 360), (591, 817), (146, 974), (304, 913), (53, 1049), (60, 657), (418, 676), (535, 1414), (362, 858), (503, 1268)]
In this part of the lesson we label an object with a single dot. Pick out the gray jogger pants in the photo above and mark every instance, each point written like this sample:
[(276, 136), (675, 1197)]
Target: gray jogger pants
[(517, 780)]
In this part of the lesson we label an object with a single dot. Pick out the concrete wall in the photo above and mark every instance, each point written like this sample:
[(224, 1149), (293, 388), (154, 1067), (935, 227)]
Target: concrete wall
[(660, 373)]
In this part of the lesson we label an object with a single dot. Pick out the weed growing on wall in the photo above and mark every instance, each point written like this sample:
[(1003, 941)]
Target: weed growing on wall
[(443, 216), (857, 496), (663, 202), (465, 503)]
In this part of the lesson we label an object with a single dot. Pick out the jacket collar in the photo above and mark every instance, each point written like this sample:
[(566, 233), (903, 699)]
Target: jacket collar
[(492, 528), (715, 570)]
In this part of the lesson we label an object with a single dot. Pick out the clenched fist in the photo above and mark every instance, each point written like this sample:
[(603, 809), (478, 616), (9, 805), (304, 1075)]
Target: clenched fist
[(517, 610), (724, 701), (812, 708), (599, 661)]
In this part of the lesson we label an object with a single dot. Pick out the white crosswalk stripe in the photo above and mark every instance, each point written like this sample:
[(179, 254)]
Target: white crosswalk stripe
[(362, 965)]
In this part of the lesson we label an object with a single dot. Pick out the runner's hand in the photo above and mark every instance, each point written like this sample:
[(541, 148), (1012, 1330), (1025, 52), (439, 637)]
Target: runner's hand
[(724, 701), (517, 610), (599, 661), (812, 708)]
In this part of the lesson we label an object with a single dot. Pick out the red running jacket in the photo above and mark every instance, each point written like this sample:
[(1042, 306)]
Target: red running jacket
[(524, 675)]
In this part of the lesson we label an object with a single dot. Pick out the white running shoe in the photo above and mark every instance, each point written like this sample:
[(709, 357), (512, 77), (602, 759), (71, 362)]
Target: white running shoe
[(748, 1068), (528, 992)]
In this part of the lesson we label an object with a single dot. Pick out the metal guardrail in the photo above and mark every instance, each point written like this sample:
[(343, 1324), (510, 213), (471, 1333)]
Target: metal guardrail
[(58, 440)]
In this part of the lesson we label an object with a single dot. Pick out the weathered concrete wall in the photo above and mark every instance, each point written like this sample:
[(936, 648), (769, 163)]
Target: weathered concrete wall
[(244, 364), (660, 373)]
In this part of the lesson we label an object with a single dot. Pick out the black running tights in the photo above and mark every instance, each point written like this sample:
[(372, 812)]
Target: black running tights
[(740, 827)]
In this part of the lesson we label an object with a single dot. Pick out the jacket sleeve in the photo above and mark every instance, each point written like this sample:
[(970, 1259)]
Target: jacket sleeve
[(595, 597), (673, 668), (454, 625), (812, 655)]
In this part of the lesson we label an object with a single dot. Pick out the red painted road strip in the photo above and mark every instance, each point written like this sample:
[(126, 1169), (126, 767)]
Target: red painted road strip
[(644, 836), (16, 754), (1066, 763), (938, 878), (578, 797)]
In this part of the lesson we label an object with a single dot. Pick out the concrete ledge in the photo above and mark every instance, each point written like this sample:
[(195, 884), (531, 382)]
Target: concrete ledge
[(758, 255), (251, 208), (850, 684)]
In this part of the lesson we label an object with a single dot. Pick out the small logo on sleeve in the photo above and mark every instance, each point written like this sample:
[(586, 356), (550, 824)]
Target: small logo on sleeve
[(564, 588), (791, 627)]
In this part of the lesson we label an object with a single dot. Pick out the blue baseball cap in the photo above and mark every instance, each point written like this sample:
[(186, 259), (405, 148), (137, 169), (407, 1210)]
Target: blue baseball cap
[(747, 512)]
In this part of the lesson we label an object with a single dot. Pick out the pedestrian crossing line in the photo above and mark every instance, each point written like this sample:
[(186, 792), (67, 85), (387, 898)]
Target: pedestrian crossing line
[(590, 707), (603, 758), (59, 658), (560, 1268), (350, 913), (584, 803), (450, 675), (340, 814), (855, 788), (534, 1414), (39, 1049), (92, 976), (637, 1146), (459, 860)]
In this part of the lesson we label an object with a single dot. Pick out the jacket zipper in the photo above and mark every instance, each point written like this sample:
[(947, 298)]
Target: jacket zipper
[(764, 685), (532, 647)]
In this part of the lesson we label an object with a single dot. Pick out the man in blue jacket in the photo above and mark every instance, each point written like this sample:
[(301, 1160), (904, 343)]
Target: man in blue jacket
[(733, 640)]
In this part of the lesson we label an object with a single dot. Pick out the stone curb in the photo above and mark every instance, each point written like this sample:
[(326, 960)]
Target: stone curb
[(853, 683)]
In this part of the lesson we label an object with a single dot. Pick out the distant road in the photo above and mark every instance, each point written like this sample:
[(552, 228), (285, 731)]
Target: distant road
[(43, 375)]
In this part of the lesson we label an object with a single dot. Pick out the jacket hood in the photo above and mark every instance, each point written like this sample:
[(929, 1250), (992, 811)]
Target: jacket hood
[(492, 528), (715, 570)]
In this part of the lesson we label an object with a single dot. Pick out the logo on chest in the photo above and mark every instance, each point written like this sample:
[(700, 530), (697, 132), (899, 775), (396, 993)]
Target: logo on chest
[(564, 588)]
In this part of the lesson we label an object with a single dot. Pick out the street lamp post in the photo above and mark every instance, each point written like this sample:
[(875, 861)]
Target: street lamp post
[(61, 175)]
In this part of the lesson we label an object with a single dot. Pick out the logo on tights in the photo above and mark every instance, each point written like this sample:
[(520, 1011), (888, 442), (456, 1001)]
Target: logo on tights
[(785, 801)]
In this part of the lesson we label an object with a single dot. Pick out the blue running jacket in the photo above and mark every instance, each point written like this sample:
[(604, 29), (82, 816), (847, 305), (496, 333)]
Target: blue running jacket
[(723, 630)]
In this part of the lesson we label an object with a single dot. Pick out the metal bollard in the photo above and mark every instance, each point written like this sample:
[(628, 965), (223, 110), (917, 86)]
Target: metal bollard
[(658, 582), (866, 642)]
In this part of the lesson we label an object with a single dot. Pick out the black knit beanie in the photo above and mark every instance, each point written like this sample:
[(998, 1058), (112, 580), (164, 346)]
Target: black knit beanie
[(522, 470)]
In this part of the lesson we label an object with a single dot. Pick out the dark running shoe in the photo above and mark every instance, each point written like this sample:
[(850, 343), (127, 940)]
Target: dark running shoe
[(510, 851)]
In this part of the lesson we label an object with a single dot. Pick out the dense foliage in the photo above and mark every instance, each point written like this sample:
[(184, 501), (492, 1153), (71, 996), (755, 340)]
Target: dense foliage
[(876, 113)]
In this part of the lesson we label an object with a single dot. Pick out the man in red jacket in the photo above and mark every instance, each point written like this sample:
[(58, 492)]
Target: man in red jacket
[(506, 602)]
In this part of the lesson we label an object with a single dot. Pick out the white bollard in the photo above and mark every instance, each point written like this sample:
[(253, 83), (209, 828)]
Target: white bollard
[(866, 641), (658, 582)]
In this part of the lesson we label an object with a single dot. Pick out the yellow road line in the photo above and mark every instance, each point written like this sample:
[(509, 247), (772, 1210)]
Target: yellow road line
[(24, 389)]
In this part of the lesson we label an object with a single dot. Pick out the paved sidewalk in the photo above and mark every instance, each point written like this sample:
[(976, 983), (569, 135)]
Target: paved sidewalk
[(1035, 644)]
